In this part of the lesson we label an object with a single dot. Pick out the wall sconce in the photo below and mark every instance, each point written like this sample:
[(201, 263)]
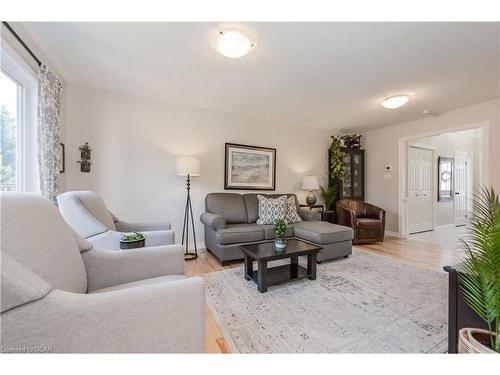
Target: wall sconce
[(85, 156)]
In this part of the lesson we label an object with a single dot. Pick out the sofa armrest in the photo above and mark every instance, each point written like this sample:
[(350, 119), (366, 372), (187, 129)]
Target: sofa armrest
[(107, 268), (167, 317), (213, 221), (346, 216), (307, 214), (123, 226)]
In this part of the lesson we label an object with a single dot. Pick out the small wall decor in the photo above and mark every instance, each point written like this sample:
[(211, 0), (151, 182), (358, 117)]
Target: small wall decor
[(249, 167), (351, 141), (85, 156), (445, 179), (62, 161)]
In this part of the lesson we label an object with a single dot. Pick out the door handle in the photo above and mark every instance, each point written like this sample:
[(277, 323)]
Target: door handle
[(457, 193)]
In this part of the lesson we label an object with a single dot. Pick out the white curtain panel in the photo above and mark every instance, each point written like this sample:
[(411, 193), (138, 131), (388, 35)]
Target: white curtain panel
[(49, 120)]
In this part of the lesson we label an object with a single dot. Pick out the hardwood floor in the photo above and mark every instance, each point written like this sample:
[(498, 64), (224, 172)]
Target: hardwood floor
[(429, 255)]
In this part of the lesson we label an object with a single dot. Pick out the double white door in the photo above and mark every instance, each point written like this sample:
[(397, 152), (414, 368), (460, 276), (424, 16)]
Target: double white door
[(420, 213), (460, 188)]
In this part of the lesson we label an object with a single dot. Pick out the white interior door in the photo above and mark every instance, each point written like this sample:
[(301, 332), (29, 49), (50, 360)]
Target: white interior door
[(420, 207), (460, 188)]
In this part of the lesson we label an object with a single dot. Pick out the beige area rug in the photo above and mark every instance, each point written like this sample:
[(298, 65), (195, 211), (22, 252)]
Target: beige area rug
[(367, 303)]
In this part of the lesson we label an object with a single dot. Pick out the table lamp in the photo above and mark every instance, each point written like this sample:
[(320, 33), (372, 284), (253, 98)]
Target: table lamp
[(310, 183)]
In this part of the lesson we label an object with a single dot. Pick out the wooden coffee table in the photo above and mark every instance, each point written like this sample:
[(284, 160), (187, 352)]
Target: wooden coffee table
[(264, 252)]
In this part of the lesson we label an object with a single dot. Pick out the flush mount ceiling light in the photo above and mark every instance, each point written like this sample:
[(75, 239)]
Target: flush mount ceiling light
[(396, 101), (233, 44)]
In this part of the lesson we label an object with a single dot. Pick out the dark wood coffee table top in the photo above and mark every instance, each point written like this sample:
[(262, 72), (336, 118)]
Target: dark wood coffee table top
[(267, 250)]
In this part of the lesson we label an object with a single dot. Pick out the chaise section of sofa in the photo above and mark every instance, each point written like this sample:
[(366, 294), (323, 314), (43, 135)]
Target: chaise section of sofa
[(230, 221)]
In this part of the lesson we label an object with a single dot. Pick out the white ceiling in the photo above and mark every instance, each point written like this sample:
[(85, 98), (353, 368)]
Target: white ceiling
[(323, 75)]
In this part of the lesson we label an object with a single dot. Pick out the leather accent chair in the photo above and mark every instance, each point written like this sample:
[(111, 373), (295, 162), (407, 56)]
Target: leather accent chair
[(366, 220)]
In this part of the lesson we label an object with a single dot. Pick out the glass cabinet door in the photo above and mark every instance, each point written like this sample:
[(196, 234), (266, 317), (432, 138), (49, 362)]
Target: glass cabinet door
[(346, 185), (357, 178)]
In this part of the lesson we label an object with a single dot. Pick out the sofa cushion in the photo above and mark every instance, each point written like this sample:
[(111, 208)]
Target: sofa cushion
[(271, 209), (19, 285), (269, 231), (291, 214), (237, 233), (368, 223), (228, 205), (78, 217), (89, 201), (321, 232), (252, 204), (37, 237)]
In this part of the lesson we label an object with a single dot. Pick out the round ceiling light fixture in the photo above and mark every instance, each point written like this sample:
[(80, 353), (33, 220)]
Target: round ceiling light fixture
[(396, 101), (233, 43)]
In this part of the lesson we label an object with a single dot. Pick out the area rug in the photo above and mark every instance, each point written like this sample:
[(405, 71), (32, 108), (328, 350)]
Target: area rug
[(367, 303)]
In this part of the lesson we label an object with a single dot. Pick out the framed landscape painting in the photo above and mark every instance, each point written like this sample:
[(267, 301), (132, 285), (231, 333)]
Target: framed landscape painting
[(249, 167)]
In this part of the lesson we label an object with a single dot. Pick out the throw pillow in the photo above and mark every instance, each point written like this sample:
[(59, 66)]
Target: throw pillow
[(271, 209), (291, 216)]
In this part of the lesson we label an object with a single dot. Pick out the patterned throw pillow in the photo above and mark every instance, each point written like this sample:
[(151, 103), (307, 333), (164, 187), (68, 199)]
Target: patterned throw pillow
[(291, 216), (271, 209)]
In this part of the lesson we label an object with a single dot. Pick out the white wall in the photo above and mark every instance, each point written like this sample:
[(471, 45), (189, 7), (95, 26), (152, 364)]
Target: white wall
[(382, 148), (445, 145), (135, 142)]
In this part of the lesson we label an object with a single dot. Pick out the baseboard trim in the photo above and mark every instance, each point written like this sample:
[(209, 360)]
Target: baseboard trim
[(392, 234), (444, 226), (200, 246)]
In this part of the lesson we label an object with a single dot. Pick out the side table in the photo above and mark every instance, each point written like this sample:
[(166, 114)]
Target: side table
[(320, 206)]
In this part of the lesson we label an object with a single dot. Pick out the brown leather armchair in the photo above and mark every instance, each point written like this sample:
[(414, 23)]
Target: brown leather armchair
[(367, 220)]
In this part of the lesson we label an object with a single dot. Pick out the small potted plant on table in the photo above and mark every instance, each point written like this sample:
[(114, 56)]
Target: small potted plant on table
[(279, 234), (132, 241)]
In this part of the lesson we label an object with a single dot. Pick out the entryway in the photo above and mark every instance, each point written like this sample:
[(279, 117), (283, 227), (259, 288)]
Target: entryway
[(443, 171)]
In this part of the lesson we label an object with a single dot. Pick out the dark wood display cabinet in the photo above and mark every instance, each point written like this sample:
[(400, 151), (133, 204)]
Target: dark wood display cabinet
[(353, 185)]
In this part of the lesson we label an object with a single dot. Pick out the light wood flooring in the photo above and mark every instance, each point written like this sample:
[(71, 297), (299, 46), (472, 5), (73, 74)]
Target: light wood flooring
[(429, 255)]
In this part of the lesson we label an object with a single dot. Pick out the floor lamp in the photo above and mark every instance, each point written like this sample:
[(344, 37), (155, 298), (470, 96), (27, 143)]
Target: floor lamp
[(188, 167)]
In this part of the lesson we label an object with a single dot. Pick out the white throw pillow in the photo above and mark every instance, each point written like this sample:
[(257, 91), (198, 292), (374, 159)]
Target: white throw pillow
[(291, 216), (271, 209)]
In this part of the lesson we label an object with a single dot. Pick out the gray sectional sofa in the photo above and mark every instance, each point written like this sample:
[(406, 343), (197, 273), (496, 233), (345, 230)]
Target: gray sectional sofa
[(230, 221)]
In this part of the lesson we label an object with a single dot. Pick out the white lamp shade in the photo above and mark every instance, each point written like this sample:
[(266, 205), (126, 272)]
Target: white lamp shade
[(188, 165), (310, 183)]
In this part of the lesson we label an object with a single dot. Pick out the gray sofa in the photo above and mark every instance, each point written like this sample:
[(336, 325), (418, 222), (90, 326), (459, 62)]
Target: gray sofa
[(230, 221), (61, 294)]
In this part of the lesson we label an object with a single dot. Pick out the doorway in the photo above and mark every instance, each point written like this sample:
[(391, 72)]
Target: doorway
[(442, 171)]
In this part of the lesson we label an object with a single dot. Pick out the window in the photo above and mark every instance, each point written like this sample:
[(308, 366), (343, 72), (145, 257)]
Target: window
[(9, 144), (18, 149)]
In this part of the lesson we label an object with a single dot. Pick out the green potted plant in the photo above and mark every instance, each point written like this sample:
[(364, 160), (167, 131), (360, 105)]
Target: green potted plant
[(132, 241), (279, 233), (329, 195), (480, 275)]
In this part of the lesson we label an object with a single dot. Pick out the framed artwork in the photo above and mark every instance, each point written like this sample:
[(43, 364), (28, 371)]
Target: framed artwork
[(445, 179), (249, 167), (62, 160)]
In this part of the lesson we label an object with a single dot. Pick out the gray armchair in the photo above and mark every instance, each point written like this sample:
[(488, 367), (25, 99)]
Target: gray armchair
[(61, 294), (87, 215)]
